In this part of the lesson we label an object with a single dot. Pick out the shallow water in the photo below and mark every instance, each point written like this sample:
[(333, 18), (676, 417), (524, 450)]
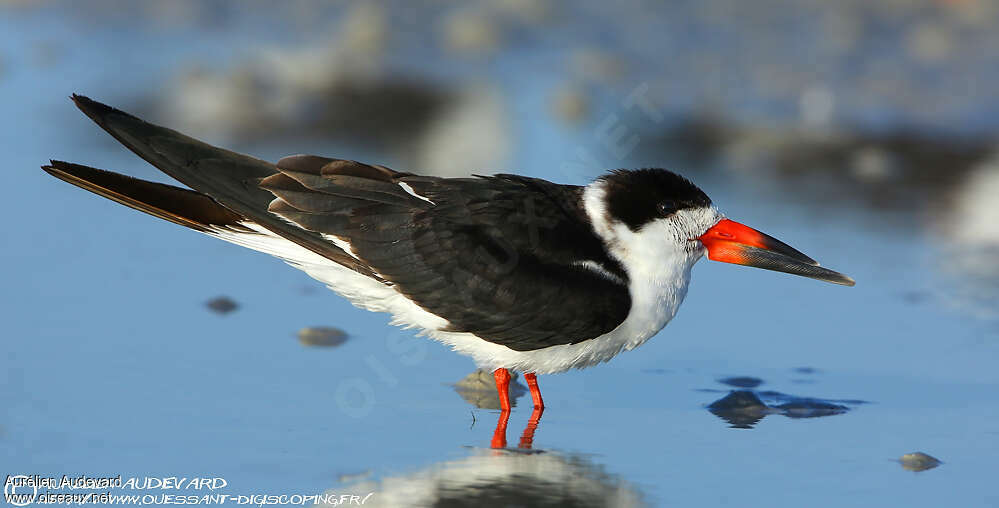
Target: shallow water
[(116, 366)]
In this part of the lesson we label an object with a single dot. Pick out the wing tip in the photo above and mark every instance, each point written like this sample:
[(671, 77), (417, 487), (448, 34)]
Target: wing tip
[(97, 111), (175, 204), (86, 103), (60, 169), (847, 281)]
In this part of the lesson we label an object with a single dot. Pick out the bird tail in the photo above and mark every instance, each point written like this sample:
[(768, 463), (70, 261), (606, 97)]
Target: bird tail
[(193, 210), (226, 185), (180, 206)]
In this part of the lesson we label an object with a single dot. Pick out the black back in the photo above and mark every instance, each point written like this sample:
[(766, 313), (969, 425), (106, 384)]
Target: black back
[(496, 256)]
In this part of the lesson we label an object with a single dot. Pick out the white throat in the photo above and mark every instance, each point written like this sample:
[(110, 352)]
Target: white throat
[(657, 257)]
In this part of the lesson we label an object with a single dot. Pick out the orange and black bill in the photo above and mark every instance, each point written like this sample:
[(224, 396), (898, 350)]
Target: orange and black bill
[(731, 242)]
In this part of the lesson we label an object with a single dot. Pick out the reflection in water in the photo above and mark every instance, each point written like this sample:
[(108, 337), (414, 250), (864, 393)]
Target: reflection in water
[(526, 438), (743, 409), (741, 381), (488, 478), (479, 389), (501, 476)]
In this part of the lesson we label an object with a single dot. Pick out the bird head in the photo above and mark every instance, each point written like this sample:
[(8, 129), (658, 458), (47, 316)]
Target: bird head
[(646, 215)]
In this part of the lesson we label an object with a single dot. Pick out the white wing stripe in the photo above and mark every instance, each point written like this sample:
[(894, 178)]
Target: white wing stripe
[(406, 187)]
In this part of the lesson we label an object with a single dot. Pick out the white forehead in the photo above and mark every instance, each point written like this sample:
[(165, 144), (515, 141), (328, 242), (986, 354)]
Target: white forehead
[(691, 223)]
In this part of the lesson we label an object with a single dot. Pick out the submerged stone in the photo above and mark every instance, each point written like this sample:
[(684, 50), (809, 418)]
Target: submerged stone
[(222, 305), (918, 461), (741, 408), (322, 336)]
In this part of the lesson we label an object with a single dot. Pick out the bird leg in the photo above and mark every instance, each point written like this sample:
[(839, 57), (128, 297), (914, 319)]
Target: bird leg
[(532, 383), (527, 439), (503, 389)]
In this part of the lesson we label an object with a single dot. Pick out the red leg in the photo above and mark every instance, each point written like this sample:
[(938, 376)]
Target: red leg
[(527, 438), (503, 389), (532, 383), (499, 436)]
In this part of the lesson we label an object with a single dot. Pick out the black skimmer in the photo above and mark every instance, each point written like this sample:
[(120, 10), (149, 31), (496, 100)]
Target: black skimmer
[(517, 272)]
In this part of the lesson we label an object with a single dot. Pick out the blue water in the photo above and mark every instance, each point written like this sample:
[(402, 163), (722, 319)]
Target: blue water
[(115, 366)]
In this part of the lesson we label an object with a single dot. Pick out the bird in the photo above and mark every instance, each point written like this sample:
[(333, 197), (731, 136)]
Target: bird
[(519, 273)]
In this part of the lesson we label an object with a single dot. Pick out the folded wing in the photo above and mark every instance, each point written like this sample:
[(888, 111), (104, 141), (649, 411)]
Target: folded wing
[(508, 258)]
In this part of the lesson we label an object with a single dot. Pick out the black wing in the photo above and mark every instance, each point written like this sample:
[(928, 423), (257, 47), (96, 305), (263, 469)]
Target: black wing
[(229, 180), (508, 258)]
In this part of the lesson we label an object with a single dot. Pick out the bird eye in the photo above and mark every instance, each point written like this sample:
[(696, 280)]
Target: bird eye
[(665, 208)]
